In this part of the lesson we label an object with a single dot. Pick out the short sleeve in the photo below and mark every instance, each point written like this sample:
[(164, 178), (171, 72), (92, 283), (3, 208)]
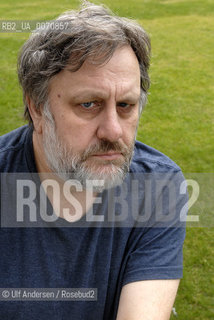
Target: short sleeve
[(155, 249)]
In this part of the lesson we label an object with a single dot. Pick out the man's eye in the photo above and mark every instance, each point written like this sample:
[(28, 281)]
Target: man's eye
[(123, 105), (88, 105)]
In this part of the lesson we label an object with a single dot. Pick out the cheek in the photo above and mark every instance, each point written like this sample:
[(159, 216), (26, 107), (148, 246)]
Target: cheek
[(130, 130), (77, 136), (131, 124)]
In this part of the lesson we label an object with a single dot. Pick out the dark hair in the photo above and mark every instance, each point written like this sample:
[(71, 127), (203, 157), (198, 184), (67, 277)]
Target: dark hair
[(92, 33)]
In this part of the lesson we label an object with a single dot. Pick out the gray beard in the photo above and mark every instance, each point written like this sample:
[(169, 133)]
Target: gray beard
[(68, 165)]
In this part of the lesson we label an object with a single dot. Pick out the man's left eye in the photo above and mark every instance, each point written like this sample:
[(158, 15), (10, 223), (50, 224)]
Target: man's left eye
[(123, 104)]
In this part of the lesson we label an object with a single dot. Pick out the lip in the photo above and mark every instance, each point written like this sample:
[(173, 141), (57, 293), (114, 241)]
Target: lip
[(108, 155)]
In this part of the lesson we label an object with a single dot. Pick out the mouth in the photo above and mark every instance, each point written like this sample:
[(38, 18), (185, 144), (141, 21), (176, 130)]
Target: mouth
[(111, 155)]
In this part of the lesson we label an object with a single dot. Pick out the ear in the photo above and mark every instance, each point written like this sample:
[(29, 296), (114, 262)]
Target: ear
[(36, 115)]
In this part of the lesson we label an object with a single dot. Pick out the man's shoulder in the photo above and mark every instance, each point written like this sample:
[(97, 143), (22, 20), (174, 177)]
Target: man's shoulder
[(148, 159), (14, 139), (12, 149)]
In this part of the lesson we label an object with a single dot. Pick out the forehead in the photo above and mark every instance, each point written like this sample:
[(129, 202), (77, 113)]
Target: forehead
[(123, 60), (120, 73)]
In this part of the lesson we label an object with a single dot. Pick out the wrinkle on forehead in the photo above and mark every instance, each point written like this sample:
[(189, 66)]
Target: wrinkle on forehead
[(119, 76), (122, 56)]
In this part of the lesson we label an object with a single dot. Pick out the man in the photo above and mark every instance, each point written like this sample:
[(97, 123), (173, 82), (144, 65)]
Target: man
[(84, 86)]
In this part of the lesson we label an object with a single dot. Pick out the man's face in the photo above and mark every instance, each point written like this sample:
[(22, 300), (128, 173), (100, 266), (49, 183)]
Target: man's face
[(94, 113)]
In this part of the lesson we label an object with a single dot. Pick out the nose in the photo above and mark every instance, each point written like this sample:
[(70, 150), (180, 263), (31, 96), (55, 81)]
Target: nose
[(109, 127)]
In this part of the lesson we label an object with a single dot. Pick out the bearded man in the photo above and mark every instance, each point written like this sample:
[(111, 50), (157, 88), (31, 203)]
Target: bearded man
[(84, 85)]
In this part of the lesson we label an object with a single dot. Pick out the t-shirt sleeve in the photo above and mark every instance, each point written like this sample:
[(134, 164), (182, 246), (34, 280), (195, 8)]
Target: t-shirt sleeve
[(155, 250)]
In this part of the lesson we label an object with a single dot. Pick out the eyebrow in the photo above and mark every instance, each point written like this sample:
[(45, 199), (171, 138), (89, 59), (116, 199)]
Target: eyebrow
[(91, 95)]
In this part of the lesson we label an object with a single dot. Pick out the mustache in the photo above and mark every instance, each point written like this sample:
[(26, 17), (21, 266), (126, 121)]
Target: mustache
[(104, 146)]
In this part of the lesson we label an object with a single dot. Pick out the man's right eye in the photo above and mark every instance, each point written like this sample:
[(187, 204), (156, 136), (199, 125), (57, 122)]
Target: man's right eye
[(88, 105)]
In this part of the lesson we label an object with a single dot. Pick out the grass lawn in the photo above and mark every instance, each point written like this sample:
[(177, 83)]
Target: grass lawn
[(178, 119)]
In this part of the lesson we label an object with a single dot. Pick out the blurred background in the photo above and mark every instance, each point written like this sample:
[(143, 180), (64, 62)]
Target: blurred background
[(178, 119)]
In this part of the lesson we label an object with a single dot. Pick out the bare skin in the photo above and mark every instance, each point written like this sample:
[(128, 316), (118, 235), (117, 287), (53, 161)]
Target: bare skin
[(92, 104)]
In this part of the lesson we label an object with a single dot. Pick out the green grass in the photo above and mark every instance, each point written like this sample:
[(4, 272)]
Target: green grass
[(178, 119)]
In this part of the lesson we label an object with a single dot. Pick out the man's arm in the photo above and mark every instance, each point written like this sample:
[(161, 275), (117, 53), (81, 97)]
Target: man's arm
[(147, 300)]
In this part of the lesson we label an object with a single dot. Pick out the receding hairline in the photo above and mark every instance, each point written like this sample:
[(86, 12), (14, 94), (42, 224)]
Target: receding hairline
[(47, 53), (127, 77)]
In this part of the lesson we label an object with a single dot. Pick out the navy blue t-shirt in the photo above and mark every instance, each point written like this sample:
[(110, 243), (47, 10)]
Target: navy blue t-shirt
[(72, 256)]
